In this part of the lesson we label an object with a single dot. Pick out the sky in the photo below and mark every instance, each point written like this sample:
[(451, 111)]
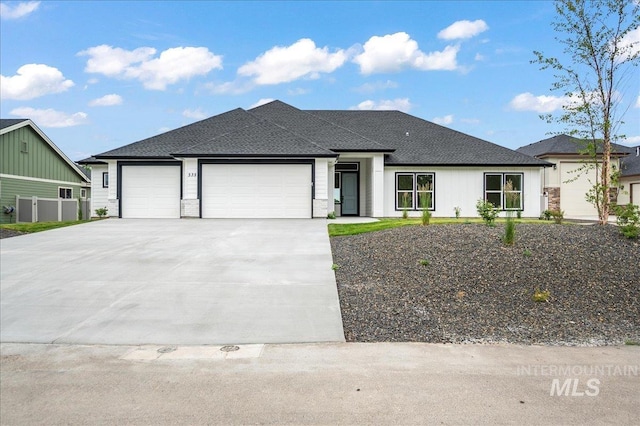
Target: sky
[(97, 75)]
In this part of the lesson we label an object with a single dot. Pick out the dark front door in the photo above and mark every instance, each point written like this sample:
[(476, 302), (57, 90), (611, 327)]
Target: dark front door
[(349, 192)]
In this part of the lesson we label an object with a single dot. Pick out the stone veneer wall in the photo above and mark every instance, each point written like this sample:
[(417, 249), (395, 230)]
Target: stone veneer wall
[(553, 197)]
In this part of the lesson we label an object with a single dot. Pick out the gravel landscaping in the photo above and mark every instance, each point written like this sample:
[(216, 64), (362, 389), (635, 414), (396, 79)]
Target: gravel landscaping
[(461, 284), (7, 233)]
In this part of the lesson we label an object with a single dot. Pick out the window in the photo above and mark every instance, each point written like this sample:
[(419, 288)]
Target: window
[(66, 193), (105, 180), (504, 190), (415, 191), (24, 146), (336, 188), (83, 193)]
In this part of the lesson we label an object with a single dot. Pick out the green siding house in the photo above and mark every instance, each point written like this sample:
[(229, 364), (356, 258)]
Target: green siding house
[(31, 165)]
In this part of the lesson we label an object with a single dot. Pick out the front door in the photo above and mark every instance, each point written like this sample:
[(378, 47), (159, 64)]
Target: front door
[(349, 193)]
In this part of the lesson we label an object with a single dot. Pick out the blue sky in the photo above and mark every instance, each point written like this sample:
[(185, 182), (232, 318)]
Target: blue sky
[(98, 75)]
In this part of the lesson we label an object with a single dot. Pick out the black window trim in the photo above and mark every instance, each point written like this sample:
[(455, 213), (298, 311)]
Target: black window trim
[(105, 179), (502, 182), (415, 191)]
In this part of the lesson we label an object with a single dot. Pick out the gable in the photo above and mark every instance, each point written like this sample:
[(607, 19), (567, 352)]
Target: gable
[(25, 152)]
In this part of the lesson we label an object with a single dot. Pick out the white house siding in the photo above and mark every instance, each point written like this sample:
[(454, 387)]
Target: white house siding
[(113, 206), (99, 195), (463, 187)]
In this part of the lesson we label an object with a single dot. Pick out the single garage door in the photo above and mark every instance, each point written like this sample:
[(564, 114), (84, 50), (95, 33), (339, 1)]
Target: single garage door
[(573, 193), (150, 192), (635, 193), (256, 190)]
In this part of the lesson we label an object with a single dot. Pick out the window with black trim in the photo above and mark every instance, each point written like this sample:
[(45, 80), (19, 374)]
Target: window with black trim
[(504, 190), (415, 191), (65, 193), (105, 179)]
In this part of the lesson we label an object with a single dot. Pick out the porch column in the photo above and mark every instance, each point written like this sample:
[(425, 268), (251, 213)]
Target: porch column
[(377, 185)]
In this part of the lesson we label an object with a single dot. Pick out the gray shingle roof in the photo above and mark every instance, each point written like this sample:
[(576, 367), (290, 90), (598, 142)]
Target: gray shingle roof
[(630, 165), (420, 142), (563, 144), (8, 122), (278, 129), (323, 133), (262, 138), (163, 145)]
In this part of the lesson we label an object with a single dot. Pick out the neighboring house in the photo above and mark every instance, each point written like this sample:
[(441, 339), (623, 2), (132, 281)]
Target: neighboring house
[(630, 180), (31, 165), (568, 181), (276, 161)]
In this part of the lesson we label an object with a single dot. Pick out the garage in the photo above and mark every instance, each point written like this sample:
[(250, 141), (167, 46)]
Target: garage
[(150, 192), (573, 188), (256, 190)]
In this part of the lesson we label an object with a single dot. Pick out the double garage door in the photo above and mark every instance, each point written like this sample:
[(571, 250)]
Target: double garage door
[(228, 191), (256, 190)]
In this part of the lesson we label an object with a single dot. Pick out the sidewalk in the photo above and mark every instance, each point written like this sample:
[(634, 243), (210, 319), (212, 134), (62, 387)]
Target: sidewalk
[(332, 383)]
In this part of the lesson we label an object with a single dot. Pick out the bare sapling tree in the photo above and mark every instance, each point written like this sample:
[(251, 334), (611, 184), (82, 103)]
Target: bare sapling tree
[(600, 39)]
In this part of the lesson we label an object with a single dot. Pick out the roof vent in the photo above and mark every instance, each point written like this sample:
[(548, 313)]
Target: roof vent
[(407, 133), (637, 151)]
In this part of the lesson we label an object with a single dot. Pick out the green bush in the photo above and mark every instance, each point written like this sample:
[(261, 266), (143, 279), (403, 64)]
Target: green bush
[(628, 219), (102, 212), (509, 230), (331, 215), (546, 214), (425, 202), (557, 215), (541, 295), (487, 211), (457, 212)]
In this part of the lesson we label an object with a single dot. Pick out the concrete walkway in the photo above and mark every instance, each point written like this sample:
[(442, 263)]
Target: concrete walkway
[(171, 282), (320, 384)]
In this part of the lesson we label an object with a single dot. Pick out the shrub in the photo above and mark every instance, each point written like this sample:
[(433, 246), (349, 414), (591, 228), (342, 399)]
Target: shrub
[(487, 211), (405, 214), (519, 214), (526, 253), (335, 267), (425, 203), (331, 215), (546, 214), (509, 230), (457, 212), (541, 295), (102, 212), (628, 219), (424, 262), (557, 215)]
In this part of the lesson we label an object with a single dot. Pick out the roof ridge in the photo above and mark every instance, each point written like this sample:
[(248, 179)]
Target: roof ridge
[(291, 131)]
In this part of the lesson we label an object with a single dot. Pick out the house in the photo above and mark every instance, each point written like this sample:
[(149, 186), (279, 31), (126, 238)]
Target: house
[(34, 171), (568, 181), (630, 178), (277, 161)]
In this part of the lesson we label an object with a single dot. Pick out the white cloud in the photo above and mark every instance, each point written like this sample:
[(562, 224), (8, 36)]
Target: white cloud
[(630, 43), (447, 119), (473, 121), (51, 117), (297, 91), (631, 140), (18, 11), (394, 52), (541, 104), (284, 64), (400, 104), (32, 81), (262, 102), (173, 65), (107, 100), (479, 57), (196, 114), (463, 29), (375, 86)]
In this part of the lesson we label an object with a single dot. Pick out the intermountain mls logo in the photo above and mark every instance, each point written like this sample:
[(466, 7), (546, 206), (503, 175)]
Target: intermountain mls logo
[(577, 380)]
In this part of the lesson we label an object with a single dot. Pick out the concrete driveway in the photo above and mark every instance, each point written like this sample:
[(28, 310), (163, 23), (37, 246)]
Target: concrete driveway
[(171, 282)]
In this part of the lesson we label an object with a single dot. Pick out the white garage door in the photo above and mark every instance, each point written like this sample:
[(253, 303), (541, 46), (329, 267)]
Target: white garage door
[(572, 194), (150, 191), (256, 190), (635, 193)]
